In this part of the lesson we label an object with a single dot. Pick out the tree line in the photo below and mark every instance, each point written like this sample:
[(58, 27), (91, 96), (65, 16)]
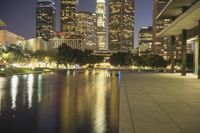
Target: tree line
[(65, 55), (124, 59)]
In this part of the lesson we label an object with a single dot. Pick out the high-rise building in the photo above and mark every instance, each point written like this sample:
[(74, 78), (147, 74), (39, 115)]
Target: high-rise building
[(145, 37), (87, 27), (68, 16), (121, 24), (101, 24), (159, 46), (45, 19)]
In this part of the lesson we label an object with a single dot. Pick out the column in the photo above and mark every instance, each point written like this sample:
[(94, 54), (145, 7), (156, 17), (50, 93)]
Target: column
[(196, 57), (172, 49), (199, 50), (184, 52)]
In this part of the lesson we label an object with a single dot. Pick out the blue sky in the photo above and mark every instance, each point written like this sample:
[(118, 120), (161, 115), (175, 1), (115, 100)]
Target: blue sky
[(20, 15)]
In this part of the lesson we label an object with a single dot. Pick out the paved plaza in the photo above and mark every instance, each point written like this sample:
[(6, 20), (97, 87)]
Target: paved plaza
[(159, 103)]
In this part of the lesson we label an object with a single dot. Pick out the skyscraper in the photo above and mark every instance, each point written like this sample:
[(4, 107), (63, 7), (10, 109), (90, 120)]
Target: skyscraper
[(45, 19), (121, 24), (87, 27), (101, 24), (159, 43), (145, 37), (68, 16)]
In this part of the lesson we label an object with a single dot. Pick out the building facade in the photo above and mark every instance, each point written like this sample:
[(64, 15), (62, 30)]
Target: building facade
[(8, 38), (185, 25), (68, 16), (73, 41), (145, 37), (121, 24), (87, 27), (101, 24), (38, 44), (159, 43), (45, 19)]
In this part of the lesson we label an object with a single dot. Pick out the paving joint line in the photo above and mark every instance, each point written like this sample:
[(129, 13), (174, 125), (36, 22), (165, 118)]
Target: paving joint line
[(127, 98)]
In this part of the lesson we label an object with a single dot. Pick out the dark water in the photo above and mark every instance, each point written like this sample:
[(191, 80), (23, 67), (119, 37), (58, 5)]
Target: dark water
[(71, 102)]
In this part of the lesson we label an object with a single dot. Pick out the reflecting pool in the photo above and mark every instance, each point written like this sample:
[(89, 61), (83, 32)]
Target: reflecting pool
[(62, 102)]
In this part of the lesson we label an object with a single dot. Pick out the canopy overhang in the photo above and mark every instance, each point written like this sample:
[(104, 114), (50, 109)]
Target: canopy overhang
[(188, 20), (174, 8)]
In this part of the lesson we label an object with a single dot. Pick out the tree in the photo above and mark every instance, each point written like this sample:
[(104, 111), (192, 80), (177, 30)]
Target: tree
[(138, 61), (121, 59), (156, 61), (64, 55)]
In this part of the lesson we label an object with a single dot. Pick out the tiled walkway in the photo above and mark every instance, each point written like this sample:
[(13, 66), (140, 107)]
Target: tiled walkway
[(159, 103)]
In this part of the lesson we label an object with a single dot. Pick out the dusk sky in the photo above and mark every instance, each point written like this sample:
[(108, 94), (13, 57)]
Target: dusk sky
[(19, 15)]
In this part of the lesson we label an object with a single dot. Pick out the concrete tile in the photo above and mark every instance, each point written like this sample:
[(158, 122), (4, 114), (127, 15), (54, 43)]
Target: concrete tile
[(156, 128), (160, 103), (190, 128)]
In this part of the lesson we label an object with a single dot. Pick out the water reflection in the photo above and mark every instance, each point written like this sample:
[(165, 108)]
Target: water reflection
[(39, 88), (14, 90), (30, 89), (68, 102), (100, 109), (2, 84)]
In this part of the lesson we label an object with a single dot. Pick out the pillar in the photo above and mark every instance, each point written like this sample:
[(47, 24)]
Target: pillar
[(196, 57), (184, 52), (173, 45)]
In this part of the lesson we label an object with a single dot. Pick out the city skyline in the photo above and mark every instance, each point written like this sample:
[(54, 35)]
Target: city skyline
[(15, 20)]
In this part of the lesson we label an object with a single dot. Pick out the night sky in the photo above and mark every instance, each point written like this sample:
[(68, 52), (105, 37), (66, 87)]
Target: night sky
[(19, 15)]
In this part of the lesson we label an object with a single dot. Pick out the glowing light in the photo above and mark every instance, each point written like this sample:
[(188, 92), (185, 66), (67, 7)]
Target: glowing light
[(14, 90), (14, 65), (100, 1), (30, 89)]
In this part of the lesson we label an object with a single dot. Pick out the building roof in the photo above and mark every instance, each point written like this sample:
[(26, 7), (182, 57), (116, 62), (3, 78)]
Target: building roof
[(2, 23), (11, 34), (174, 8), (188, 20)]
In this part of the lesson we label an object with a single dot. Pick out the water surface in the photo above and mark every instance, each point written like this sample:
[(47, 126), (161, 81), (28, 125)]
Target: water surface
[(67, 102)]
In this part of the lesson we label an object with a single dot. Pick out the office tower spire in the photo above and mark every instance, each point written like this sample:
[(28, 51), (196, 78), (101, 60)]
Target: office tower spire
[(101, 24)]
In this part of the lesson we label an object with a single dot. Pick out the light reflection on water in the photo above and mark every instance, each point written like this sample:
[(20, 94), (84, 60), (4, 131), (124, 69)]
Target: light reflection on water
[(39, 88), (68, 102), (14, 90), (30, 89), (100, 109), (2, 84)]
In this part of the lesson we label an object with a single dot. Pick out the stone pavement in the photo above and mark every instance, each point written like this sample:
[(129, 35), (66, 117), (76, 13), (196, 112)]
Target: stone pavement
[(159, 103)]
